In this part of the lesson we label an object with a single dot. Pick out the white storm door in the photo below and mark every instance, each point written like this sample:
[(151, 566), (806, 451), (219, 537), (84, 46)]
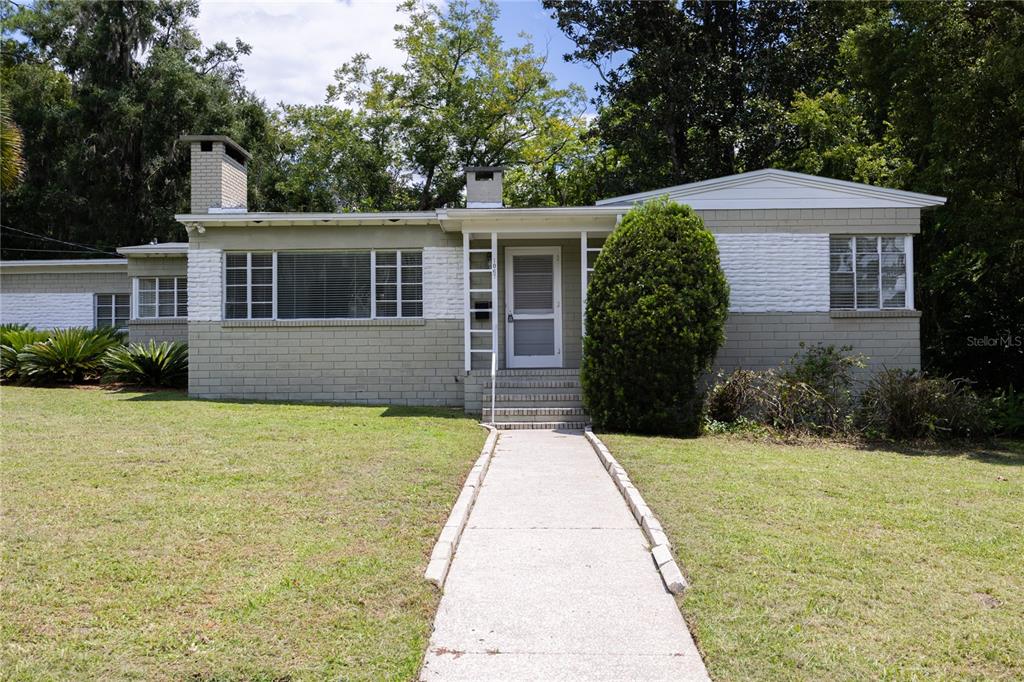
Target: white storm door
[(533, 306)]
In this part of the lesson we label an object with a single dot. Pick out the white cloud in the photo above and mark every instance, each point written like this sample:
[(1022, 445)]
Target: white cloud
[(297, 45)]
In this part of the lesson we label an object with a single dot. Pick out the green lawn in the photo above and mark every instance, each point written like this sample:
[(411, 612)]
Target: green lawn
[(146, 536), (824, 563)]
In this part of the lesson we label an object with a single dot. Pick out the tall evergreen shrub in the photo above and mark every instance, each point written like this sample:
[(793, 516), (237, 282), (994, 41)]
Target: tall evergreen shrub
[(656, 310)]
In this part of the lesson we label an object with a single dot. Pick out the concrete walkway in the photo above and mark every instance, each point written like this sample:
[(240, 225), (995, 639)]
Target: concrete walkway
[(553, 579)]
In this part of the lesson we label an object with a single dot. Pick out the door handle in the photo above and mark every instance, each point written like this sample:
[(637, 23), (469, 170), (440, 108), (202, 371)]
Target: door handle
[(510, 318)]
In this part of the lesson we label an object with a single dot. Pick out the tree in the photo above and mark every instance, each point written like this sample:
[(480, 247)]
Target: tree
[(12, 163), (655, 319), (400, 139), (102, 91), (697, 89), (932, 99)]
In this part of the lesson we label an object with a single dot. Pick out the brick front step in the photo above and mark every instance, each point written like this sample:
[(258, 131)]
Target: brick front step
[(537, 385), (538, 398), (565, 425)]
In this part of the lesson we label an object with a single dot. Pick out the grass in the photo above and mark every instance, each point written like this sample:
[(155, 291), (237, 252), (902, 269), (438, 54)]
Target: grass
[(147, 536), (815, 563)]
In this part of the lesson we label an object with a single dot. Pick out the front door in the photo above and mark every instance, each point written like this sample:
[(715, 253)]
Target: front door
[(533, 306)]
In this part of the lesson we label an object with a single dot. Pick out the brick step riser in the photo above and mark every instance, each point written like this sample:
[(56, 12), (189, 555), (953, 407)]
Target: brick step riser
[(537, 397), (517, 426), (519, 386), (538, 373), (504, 405)]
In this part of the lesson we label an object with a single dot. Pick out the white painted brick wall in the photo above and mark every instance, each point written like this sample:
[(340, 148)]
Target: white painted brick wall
[(442, 282), (48, 311), (776, 272), (205, 276)]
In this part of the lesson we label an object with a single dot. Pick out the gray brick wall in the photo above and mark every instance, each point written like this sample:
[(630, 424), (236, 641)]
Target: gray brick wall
[(765, 340), (66, 282), (142, 331), (412, 363)]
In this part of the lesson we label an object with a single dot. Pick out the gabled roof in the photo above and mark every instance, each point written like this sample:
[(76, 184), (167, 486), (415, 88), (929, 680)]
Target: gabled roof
[(771, 188)]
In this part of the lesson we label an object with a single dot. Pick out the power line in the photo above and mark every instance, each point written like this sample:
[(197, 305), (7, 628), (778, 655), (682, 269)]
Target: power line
[(59, 241), (7, 248)]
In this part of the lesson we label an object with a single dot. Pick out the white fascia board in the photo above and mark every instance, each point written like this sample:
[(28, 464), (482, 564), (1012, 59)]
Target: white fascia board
[(65, 264), (255, 219)]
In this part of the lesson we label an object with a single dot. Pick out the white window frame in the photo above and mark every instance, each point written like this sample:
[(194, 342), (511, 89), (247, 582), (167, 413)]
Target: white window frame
[(399, 298), (908, 262), (113, 310), (373, 285), (178, 290)]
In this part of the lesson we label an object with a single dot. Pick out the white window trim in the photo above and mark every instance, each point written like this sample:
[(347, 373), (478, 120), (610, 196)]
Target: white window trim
[(113, 310), (908, 264), (275, 318), (177, 292)]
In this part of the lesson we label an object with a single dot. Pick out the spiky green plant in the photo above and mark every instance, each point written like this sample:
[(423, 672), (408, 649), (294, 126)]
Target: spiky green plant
[(13, 339), (152, 364), (68, 356)]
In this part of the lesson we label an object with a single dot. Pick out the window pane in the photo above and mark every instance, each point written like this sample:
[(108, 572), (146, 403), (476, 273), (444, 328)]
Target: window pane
[(412, 275), (262, 276), (867, 272), (840, 273), (412, 292), (412, 258), (147, 310), (387, 292), (323, 285), (387, 275), (236, 260), (262, 311), (147, 284), (262, 294), (236, 294), (387, 258), (387, 309), (262, 260), (894, 273), (236, 277), (412, 309), (183, 302), (235, 311)]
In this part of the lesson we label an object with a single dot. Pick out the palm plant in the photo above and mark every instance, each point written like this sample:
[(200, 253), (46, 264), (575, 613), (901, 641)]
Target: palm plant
[(68, 356), (157, 365)]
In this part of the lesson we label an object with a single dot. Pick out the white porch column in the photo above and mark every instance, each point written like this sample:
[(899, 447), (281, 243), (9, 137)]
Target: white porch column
[(466, 315), (583, 281)]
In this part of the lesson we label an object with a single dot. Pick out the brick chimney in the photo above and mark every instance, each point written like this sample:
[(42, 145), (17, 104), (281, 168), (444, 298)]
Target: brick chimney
[(484, 186), (219, 176)]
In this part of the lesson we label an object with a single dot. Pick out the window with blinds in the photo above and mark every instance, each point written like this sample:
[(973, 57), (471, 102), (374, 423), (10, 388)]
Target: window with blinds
[(162, 297), (113, 310), (398, 276), (317, 286), (323, 285), (868, 272)]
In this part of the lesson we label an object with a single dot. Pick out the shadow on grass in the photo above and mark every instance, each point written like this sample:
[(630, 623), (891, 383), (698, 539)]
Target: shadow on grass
[(149, 395), (1003, 452)]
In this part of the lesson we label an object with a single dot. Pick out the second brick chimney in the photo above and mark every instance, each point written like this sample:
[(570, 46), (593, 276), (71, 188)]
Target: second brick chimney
[(219, 175)]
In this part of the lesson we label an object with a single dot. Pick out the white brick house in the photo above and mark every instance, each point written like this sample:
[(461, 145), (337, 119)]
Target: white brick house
[(413, 307)]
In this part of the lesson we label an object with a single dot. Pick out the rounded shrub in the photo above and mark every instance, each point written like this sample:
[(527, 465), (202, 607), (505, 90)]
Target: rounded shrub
[(656, 310)]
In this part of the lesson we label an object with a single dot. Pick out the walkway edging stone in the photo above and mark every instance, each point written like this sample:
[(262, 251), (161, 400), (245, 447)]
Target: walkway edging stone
[(448, 541), (661, 548)]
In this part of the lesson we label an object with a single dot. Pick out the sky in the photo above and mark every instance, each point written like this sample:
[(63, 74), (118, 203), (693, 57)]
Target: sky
[(297, 45)]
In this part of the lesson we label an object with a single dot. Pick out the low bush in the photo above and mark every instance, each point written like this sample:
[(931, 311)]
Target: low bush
[(67, 356), (810, 393), (13, 339), (900, 404), (152, 364), (1008, 412)]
